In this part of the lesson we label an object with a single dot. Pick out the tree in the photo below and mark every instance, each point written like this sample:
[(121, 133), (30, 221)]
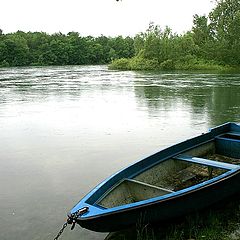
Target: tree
[(201, 30), (16, 50), (185, 46), (225, 29), (223, 16), (139, 43), (158, 43)]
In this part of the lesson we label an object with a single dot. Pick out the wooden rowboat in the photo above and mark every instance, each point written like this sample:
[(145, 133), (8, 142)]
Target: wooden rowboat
[(178, 180)]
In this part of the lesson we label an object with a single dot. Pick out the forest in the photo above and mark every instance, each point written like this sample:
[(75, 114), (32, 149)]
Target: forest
[(42, 49), (212, 43)]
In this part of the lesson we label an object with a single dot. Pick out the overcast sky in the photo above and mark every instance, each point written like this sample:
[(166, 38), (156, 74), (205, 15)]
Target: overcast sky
[(96, 17)]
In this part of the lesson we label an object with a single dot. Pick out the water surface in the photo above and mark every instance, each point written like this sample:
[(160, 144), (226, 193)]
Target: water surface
[(65, 129)]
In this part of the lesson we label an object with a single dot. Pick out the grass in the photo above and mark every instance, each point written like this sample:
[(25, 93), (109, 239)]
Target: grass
[(220, 222)]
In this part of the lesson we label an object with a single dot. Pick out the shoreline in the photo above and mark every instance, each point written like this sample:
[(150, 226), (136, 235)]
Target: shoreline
[(140, 64)]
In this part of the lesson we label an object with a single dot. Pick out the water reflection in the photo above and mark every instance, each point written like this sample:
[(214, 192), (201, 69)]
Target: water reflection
[(65, 129), (214, 95)]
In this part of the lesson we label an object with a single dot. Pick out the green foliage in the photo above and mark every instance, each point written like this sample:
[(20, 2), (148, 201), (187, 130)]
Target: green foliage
[(136, 63), (158, 43), (212, 44), (168, 65), (4, 63), (14, 50), (225, 29), (190, 62), (38, 48), (138, 43), (121, 64), (139, 63), (201, 30)]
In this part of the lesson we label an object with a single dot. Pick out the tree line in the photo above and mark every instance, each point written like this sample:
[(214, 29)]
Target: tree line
[(212, 43), (39, 49)]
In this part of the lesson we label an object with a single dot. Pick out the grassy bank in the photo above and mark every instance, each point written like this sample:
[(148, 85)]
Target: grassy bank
[(218, 223), (186, 63)]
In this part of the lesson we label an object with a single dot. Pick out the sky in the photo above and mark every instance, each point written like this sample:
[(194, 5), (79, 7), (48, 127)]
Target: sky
[(96, 17)]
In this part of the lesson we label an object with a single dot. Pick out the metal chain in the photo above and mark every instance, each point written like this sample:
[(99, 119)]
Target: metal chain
[(71, 220), (61, 231)]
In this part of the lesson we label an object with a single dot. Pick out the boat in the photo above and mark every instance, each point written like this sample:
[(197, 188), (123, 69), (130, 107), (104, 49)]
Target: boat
[(171, 183)]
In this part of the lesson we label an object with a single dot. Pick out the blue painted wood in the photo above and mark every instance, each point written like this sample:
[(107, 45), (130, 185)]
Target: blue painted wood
[(235, 133), (174, 204), (228, 145), (207, 162)]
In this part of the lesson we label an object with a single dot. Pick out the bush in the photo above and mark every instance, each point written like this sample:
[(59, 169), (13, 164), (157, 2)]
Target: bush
[(4, 63), (120, 64), (190, 62), (136, 63), (167, 65), (139, 63)]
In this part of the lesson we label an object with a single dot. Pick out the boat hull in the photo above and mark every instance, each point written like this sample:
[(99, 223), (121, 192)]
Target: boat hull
[(111, 208), (166, 210)]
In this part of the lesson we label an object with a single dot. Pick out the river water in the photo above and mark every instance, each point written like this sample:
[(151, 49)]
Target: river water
[(65, 129)]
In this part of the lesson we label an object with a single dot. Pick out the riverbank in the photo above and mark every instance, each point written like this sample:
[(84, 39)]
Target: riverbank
[(220, 222), (186, 63)]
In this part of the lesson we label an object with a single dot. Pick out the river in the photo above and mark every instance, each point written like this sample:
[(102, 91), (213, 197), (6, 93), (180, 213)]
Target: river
[(65, 129)]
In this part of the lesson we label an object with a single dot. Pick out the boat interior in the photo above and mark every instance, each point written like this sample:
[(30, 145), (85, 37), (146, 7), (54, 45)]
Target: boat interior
[(196, 165)]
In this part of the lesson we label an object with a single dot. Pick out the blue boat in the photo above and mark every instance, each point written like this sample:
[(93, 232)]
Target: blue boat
[(176, 181)]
